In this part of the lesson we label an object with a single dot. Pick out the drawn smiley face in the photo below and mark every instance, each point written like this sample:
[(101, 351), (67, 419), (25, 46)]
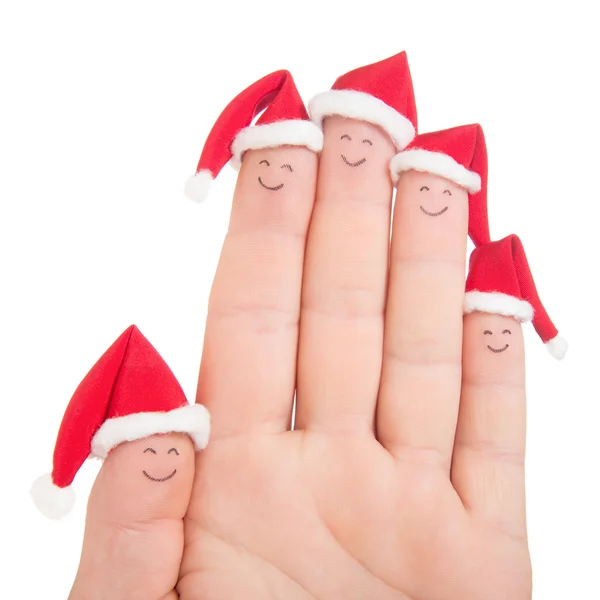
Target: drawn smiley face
[(503, 346), (161, 458), (354, 150), (427, 190), (160, 478), (270, 174), (434, 196), (351, 148)]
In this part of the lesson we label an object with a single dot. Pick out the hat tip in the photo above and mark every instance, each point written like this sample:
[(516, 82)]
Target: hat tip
[(558, 347), (52, 501), (198, 186)]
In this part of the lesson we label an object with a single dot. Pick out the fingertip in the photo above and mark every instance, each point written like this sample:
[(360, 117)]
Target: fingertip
[(146, 479)]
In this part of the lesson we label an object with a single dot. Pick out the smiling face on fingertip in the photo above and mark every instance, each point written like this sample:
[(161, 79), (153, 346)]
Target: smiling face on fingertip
[(277, 173), (355, 149), (433, 196), (157, 460), (163, 456), (431, 215), (493, 342)]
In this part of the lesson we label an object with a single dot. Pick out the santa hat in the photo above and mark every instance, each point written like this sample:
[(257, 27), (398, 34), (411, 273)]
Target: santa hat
[(460, 155), (129, 394), (500, 282), (381, 94), (284, 122)]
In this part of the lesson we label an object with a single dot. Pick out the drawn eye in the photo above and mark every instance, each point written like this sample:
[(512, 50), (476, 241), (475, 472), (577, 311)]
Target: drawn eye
[(507, 331), (367, 142), (424, 188), (346, 136), (173, 450), (286, 166), (447, 192), (149, 450), (266, 163), (487, 332)]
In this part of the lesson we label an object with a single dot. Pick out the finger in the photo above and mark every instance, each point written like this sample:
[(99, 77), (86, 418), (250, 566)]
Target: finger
[(248, 373), (420, 383), (489, 452), (343, 290), (133, 540)]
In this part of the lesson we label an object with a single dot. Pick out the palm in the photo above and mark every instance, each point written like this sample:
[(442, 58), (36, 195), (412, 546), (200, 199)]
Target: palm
[(316, 516)]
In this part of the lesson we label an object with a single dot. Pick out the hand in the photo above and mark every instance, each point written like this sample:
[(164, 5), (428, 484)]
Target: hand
[(404, 474)]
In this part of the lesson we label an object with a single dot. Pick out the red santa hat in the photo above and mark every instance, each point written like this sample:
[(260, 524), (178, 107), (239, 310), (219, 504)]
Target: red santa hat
[(284, 122), (129, 394), (500, 282), (460, 155), (381, 94)]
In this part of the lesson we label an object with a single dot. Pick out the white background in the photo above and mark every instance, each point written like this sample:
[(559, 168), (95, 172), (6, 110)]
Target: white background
[(104, 110)]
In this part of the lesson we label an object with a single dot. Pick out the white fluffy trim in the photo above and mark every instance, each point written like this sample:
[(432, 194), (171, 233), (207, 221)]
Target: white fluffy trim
[(557, 347), (292, 132), (198, 185), (52, 501), (192, 419), (435, 163), (364, 107), (498, 304)]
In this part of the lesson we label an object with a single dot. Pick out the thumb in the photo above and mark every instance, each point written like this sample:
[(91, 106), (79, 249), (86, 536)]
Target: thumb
[(133, 541)]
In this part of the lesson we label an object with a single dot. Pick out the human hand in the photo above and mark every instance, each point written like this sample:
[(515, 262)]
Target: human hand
[(372, 495), (404, 474)]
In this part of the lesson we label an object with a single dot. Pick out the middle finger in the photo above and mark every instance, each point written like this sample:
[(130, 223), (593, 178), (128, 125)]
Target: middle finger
[(369, 115), (343, 291)]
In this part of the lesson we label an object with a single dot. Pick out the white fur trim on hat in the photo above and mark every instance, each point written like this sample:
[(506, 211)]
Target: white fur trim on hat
[(291, 132), (557, 347), (435, 163), (364, 107), (52, 501), (198, 185), (498, 304), (193, 419)]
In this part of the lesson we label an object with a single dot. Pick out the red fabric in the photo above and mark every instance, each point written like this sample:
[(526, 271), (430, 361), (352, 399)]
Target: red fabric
[(541, 321), (389, 80), (466, 145), (130, 377), (502, 267), (492, 269), (276, 91)]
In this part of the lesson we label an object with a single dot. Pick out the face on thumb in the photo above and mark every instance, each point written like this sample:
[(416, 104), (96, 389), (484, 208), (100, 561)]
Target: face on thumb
[(149, 478), (134, 523)]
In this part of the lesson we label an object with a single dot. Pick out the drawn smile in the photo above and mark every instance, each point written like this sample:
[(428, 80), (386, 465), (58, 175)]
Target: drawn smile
[(497, 350), (354, 164), (273, 189), (160, 479), (437, 214)]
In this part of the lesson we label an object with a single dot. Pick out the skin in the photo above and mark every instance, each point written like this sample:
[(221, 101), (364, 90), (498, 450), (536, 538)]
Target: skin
[(343, 290), (421, 374), (403, 477), (127, 510), (489, 452)]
